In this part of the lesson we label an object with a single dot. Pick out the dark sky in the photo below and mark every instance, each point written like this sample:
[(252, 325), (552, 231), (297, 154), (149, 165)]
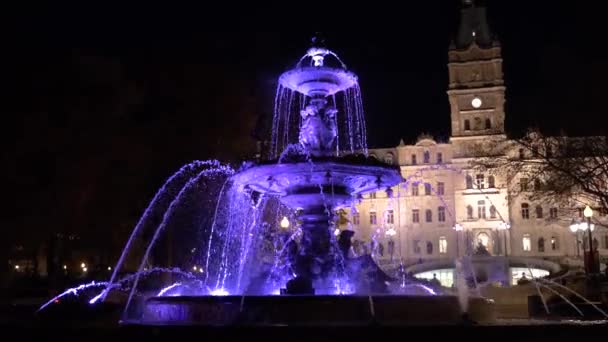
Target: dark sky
[(103, 104)]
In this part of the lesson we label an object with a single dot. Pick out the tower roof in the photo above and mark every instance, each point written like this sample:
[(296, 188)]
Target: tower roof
[(474, 26)]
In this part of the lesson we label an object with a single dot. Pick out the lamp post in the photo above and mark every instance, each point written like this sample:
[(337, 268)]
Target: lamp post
[(588, 213), (504, 226), (574, 228), (458, 228)]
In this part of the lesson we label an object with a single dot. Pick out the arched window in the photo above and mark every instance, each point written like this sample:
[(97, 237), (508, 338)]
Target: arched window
[(429, 215), (554, 243), (492, 212), (429, 247), (491, 182), (488, 124), (426, 157), (469, 212), (539, 212), (467, 125), (541, 245), (469, 181), (525, 211)]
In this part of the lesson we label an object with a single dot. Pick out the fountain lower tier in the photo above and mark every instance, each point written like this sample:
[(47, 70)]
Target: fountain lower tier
[(312, 310)]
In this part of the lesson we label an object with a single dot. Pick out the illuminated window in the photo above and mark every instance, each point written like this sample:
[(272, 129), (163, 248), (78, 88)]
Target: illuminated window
[(441, 214), (426, 157), (415, 215), (372, 217), (554, 245), (414, 189), (440, 188), (443, 245), (390, 217), (527, 243), (427, 189), (525, 211), (429, 215)]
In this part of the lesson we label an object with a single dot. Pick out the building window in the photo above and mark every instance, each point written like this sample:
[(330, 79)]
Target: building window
[(414, 159), (479, 181), (467, 125), (372, 195), (537, 184), (522, 154), (477, 123), (415, 215), (488, 124), (481, 209), (525, 211), (416, 246), (492, 212), (469, 212), (443, 245), (356, 218), (372, 217), (439, 158), (414, 189), (523, 184), (541, 245), (429, 215), (390, 217), (539, 212), (606, 241), (388, 158), (427, 189), (426, 157), (553, 213), (469, 182), (554, 245), (527, 243), (441, 214), (491, 184), (440, 188), (429, 247)]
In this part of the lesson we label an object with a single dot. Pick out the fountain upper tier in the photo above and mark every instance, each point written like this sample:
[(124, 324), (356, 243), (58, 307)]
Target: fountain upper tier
[(318, 80)]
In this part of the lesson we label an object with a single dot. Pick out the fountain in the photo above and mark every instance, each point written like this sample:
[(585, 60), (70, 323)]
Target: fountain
[(319, 165)]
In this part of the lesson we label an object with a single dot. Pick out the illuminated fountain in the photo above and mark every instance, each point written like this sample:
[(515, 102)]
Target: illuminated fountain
[(220, 272)]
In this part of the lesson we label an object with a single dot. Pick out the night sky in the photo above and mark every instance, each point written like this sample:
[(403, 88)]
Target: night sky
[(103, 104)]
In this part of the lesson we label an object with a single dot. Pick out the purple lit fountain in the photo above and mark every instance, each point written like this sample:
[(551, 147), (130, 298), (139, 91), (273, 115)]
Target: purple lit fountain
[(214, 254)]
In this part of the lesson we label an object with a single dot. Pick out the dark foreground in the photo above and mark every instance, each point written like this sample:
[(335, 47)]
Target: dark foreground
[(369, 333)]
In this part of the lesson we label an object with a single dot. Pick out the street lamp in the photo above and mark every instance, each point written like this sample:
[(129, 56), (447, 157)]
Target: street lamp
[(284, 222), (458, 228), (588, 213), (574, 228), (504, 226)]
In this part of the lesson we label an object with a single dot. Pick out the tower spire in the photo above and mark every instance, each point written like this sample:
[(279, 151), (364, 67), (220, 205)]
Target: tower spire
[(473, 27)]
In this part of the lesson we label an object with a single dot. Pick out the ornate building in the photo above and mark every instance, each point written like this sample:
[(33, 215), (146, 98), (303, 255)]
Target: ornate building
[(446, 208)]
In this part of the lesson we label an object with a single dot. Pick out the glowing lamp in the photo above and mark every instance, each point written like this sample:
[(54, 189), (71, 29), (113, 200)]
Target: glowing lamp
[(16, 267), (588, 212), (573, 227), (84, 269), (337, 232), (109, 268), (458, 227), (284, 222), (83, 265), (65, 267), (391, 232)]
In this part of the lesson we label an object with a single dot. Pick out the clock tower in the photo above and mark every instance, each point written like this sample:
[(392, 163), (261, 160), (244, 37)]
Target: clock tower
[(476, 90)]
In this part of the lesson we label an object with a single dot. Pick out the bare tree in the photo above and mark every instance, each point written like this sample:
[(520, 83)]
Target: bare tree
[(564, 172)]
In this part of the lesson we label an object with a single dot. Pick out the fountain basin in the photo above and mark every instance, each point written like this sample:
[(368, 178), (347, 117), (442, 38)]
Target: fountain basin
[(299, 184), (312, 310), (313, 81)]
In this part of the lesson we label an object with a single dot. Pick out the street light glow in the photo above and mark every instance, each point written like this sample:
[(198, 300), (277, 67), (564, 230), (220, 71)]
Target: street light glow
[(284, 222), (588, 212)]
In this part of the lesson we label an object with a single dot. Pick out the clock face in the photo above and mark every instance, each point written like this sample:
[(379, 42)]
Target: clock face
[(476, 103)]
